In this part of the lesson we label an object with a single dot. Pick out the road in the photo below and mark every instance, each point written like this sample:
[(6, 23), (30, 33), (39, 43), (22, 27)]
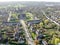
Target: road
[(35, 18), (49, 18), (9, 17), (27, 34)]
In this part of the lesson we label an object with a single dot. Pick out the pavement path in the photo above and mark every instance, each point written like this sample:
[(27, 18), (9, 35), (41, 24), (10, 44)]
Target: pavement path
[(28, 37)]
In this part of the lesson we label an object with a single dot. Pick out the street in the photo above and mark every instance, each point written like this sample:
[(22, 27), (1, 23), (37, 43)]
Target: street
[(29, 39), (49, 18)]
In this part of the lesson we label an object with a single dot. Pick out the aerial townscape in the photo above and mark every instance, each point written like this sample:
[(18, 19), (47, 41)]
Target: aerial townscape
[(29, 23)]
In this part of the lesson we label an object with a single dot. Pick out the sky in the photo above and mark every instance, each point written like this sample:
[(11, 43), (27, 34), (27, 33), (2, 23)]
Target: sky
[(30, 0)]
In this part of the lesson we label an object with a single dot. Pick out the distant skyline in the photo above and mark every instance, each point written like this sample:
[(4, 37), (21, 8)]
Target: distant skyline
[(31, 0)]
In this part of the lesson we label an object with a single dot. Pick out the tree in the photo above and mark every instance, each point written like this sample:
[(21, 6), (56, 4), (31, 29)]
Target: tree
[(46, 21), (41, 24)]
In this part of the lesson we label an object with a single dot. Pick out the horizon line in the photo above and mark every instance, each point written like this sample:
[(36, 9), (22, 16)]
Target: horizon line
[(28, 1)]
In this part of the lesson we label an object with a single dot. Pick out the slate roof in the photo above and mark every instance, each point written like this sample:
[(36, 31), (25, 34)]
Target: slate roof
[(22, 16), (34, 21), (10, 23)]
